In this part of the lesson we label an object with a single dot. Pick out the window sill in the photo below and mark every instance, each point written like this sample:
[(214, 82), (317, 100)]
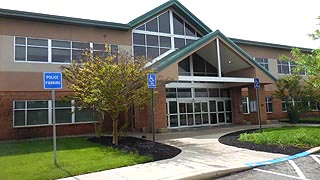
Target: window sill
[(60, 124)]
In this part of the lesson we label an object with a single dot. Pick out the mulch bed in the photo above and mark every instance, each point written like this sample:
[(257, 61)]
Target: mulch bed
[(142, 146), (232, 140)]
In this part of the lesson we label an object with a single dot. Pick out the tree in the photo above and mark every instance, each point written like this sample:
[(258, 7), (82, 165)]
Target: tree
[(109, 83)]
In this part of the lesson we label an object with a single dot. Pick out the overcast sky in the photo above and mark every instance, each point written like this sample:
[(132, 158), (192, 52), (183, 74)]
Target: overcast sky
[(284, 22)]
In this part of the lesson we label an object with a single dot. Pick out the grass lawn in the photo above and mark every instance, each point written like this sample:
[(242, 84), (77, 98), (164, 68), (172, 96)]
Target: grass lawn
[(307, 119), (301, 136), (33, 159)]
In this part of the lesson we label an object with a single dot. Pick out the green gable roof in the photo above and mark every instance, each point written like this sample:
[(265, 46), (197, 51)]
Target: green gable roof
[(61, 19), (185, 51), (177, 6)]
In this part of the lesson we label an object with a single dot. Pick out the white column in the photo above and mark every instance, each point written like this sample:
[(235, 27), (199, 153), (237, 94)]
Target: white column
[(218, 56)]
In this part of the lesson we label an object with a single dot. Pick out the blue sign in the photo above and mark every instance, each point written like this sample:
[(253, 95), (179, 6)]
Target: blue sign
[(256, 83), (52, 80), (152, 81)]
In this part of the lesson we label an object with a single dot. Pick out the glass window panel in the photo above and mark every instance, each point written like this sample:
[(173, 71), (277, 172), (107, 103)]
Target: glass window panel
[(99, 46), (179, 43), (173, 121), (228, 105), (173, 107), (198, 66), (63, 104), (37, 104), (84, 115), (152, 40), (213, 118), (189, 108), (229, 117), (152, 52), (182, 108), (189, 30), (114, 48), (178, 25), (190, 119), (37, 117), (213, 92), (152, 25), (164, 23), (63, 116), (189, 41), (204, 107), (61, 55), (139, 39), (77, 55), (171, 93), (197, 107), (184, 92), (285, 69), (210, 70), (19, 118), (162, 50), (220, 106), (205, 118), (212, 106), (19, 104), (142, 27), (184, 67), (37, 42), (221, 118), (20, 40), (65, 44), (20, 53), (80, 45), (139, 51), (37, 54), (165, 42), (198, 119), (203, 92), (183, 120), (225, 92)]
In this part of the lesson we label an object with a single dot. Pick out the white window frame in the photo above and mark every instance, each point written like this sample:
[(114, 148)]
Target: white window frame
[(290, 66), (264, 63), (246, 103), (269, 103)]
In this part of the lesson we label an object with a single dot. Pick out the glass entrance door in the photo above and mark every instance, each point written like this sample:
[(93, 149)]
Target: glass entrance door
[(221, 112)]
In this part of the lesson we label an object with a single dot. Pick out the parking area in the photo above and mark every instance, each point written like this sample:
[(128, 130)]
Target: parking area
[(301, 168)]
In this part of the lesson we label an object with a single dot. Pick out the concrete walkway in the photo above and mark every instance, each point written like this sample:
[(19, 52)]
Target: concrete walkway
[(202, 157)]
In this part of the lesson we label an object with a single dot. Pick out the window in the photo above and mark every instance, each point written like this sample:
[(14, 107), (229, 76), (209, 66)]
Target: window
[(286, 67), (61, 51), (263, 62), (245, 105), (285, 102), (269, 104), (100, 49), (31, 49), (39, 112), (155, 37)]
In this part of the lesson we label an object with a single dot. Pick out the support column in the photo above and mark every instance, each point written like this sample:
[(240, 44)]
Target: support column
[(252, 97), (236, 97)]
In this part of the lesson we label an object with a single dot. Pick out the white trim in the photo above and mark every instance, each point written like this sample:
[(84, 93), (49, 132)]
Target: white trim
[(218, 58), (215, 79), (49, 51), (50, 109), (193, 85)]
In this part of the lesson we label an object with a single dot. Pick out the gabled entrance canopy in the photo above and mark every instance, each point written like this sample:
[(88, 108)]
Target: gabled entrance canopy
[(232, 63)]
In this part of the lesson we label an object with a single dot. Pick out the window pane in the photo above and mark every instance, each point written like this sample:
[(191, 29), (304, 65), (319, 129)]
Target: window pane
[(37, 117), (213, 118), (213, 92), (19, 104), (203, 92), (184, 92), (84, 115), (142, 27), (183, 120), (228, 105), (189, 108), (19, 118), (162, 50), (190, 31), (197, 107), (61, 55), (178, 25), (20, 53), (174, 121), (285, 69), (164, 23), (20, 40), (152, 52), (114, 48), (37, 54), (65, 44), (80, 45), (184, 67), (182, 108), (63, 115), (173, 107), (63, 104), (152, 25), (229, 117), (37, 104), (77, 55), (152, 40), (37, 42), (224, 92), (171, 93), (99, 46), (198, 66), (139, 39), (212, 106), (139, 51), (179, 43), (189, 41), (165, 42)]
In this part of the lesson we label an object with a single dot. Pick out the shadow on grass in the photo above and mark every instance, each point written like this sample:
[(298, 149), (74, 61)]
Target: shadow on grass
[(67, 172)]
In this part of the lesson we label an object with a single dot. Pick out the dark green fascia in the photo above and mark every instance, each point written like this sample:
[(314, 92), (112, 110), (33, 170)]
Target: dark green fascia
[(179, 54), (179, 8), (269, 45), (62, 19)]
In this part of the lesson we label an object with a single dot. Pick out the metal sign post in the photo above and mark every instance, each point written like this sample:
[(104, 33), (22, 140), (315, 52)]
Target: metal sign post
[(152, 83), (53, 80), (256, 85)]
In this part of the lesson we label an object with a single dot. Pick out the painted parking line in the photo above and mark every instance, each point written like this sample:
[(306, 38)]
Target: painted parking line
[(279, 174), (316, 158), (297, 169)]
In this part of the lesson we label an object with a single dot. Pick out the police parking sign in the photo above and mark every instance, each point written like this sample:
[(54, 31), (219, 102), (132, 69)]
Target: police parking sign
[(52, 80)]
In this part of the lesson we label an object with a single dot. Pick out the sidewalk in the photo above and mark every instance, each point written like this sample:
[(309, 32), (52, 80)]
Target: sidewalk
[(202, 157)]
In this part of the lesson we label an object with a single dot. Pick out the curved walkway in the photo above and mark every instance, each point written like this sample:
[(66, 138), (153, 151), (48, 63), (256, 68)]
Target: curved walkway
[(202, 156)]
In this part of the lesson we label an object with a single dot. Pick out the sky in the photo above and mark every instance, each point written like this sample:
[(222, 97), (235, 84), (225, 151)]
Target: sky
[(274, 21)]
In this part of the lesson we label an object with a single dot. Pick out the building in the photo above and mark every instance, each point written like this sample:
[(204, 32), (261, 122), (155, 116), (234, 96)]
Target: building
[(208, 76)]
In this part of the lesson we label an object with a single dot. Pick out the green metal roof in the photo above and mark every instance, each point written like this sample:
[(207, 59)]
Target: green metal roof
[(269, 45), (177, 6), (62, 19), (187, 50)]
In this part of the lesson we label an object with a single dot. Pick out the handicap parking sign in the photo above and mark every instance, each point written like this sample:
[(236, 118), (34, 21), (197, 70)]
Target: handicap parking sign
[(152, 81)]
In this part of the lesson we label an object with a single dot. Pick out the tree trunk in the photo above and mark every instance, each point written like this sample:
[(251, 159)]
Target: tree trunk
[(115, 135), (98, 127)]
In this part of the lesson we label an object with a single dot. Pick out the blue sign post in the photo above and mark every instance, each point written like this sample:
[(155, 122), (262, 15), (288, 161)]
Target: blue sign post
[(152, 83), (256, 85), (53, 80)]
